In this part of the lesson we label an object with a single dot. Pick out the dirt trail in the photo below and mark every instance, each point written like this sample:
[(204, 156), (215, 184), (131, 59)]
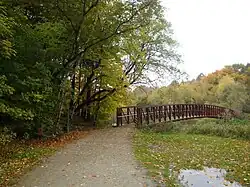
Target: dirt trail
[(102, 159)]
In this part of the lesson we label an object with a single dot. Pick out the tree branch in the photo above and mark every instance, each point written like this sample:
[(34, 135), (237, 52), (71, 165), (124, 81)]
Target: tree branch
[(63, 13), (94, 99)]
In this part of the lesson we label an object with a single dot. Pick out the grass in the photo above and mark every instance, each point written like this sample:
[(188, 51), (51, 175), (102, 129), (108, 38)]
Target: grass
[(160, 151), (233, 128), (18, 157), (236, 128)]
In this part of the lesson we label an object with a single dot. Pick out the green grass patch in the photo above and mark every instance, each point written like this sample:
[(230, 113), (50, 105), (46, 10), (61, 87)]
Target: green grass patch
[(158, 152)]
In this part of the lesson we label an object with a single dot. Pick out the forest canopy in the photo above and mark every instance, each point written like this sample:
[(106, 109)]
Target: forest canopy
[(77, 57)]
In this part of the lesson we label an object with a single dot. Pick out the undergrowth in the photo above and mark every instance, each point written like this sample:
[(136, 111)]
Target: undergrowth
[(235, 128)]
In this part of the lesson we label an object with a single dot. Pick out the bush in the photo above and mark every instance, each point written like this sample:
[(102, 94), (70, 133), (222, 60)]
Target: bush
[(234, 128), (6, 136)]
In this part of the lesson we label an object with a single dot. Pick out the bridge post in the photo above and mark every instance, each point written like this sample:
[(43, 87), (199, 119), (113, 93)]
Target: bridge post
[(189, 111), (196, 110), (165, 113), (119, 117), (134, 114), (174, 112), (182, 111), (206, 110), (128, 115), (169, 112), (147, 115), (186, 110), (178, 111), (213, 111), (159, 114), (154, 114), (202, 110), (139, 118)]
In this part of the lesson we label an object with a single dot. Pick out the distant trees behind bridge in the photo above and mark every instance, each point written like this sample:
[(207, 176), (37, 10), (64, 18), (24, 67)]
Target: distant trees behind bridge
[(228, 87)]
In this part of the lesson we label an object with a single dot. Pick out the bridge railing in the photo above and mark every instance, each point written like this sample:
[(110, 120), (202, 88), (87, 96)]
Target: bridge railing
[(164, 113), (126, 115)]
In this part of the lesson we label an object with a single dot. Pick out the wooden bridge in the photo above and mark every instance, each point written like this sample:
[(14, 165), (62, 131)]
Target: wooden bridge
[(166, 113)]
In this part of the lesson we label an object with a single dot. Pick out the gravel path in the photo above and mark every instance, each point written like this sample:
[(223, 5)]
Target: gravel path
[(102, 159)]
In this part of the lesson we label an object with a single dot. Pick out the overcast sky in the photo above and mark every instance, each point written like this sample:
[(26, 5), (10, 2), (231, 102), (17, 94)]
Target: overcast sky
[(211, 33)]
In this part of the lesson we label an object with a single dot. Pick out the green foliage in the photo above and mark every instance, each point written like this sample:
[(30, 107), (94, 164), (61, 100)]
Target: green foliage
[(5, 108), (60, 58), (31, 100), (6, 33), (6, 136), (106, 113)]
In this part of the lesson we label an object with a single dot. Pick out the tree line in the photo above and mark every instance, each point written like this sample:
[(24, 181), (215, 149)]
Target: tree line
[(228, 87), (63, 58)]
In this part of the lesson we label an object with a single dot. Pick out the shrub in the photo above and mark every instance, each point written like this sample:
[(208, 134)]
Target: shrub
[(6, 136), (234, 128)]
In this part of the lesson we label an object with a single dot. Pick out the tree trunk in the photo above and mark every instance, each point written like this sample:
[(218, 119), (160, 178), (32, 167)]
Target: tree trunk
[(68, 121), (59, 115), (88, 104), (98, 104), (71, 105), (61, 100), (88, 96)]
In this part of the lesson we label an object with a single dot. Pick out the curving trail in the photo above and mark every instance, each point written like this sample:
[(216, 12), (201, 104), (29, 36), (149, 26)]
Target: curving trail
[(102, 159)]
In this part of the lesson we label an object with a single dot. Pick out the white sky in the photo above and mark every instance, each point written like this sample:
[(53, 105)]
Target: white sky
[(211, 33)]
